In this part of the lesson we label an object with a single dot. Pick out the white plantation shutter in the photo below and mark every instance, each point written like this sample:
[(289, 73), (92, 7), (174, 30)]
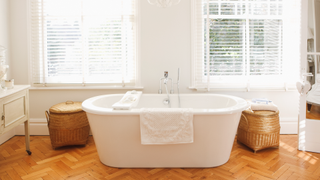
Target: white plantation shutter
[(83, 42), (245, 44)]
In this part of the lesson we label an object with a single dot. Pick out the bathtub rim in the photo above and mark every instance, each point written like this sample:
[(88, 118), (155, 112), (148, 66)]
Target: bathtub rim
[(88, 106)]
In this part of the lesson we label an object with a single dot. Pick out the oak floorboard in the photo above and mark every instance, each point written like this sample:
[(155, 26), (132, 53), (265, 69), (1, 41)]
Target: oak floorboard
[(82, 162)]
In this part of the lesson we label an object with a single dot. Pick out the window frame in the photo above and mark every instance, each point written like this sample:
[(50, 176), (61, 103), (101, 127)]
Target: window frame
[(137, 74), (248, 84)]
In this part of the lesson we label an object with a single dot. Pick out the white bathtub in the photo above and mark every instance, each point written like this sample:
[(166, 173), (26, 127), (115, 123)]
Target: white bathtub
[(117, 132)]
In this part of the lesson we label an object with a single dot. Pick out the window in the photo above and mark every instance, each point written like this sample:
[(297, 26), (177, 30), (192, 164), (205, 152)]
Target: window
[(83, 42), (245, 44)]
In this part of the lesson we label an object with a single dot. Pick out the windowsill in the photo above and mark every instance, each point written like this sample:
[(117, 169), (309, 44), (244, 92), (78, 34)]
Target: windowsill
[(244, 89), (87, 88)]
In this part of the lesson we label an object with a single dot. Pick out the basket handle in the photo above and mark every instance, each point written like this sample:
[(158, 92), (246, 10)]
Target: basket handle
[(245, 118), (47, 116), (69, 102)]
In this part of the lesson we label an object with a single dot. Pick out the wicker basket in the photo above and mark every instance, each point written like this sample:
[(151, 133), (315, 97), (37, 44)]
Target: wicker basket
[(68, 124), (259, 129)]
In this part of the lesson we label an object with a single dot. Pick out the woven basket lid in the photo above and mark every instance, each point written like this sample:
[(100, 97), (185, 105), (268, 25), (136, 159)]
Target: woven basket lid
[(66, 107), (260, 113)]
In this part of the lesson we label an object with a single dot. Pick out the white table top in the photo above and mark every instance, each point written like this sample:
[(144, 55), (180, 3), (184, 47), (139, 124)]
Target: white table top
[(16, 88)]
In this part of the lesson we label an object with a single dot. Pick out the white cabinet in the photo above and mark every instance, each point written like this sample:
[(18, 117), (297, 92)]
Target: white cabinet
[(14, 110)]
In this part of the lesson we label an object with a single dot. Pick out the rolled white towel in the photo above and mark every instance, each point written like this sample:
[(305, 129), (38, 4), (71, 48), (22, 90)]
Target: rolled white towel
[(129, 100), (263, 107)]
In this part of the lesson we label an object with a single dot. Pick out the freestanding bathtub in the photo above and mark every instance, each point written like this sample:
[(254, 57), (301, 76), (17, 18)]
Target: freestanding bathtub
[(117, 132)]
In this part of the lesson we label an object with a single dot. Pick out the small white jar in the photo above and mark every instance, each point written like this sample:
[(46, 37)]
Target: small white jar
[(9, 83)]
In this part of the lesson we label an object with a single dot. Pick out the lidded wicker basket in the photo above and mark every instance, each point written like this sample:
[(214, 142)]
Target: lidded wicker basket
[(259, 129), (68, 124)]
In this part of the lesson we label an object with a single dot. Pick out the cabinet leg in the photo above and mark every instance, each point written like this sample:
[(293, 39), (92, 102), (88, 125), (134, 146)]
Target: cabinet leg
[(27, 136)]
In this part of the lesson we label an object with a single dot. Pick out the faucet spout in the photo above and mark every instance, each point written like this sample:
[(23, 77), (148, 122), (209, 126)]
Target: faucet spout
[(160, 88), (171, 91)]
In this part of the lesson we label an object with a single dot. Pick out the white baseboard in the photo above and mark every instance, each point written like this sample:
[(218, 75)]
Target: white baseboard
[(289, 126), (36, 129), (39, 127)]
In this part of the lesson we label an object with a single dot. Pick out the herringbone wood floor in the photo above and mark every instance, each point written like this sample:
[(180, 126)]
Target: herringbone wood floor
[(79, 162)]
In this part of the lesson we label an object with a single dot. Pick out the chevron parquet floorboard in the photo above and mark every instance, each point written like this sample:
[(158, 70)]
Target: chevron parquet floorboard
[(82, 163)]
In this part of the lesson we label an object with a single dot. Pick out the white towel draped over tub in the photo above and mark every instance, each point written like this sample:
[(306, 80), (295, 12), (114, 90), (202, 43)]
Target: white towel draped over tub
[(166, 125)]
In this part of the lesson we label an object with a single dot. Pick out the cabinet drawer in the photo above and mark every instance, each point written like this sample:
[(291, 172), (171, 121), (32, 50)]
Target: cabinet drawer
[(14, 108)]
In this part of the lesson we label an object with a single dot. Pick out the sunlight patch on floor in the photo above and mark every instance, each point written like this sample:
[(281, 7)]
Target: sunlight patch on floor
[(287, 147), (304, 155)]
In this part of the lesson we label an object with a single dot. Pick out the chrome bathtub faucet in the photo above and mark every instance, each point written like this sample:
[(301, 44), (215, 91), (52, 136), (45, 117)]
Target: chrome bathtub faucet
[(165, 82)]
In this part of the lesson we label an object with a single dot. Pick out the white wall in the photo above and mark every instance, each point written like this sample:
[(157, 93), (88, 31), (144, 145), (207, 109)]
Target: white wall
[(4, 30), (5, 41), (18, 41), (165, 46)]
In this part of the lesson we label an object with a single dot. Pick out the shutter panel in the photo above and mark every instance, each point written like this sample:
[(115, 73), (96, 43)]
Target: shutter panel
[(265, 50), (227, 47)]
